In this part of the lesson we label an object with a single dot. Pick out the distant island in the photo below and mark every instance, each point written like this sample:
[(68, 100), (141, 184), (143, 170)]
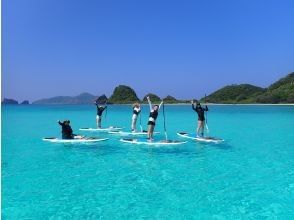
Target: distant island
[(25, 102), (83, 98), (6, 101), (122, 94), (281, 91), (9, 102)]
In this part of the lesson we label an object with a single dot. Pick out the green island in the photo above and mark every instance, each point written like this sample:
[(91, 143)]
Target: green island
[(280, 92)]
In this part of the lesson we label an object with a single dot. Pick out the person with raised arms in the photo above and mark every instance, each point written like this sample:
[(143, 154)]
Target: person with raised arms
[(136, 112), (100, 109), (196, 106), (67, 132), (152, 118)]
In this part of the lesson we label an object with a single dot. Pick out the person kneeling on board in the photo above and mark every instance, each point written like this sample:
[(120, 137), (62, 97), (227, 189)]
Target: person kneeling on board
[(136, 112), (152, 118), (66, 130), (201, 119)]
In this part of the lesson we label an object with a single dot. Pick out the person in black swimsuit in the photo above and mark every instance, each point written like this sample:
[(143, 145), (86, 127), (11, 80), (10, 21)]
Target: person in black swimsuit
[(100, 110), (66, 130), (152, 118), (201, 119)]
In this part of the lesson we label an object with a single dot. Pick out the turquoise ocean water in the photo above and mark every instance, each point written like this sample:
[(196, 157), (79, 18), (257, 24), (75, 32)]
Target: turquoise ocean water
[(249, 176)]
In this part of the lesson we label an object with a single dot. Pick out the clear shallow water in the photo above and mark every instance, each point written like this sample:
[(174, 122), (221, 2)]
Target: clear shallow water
[(250, 176)]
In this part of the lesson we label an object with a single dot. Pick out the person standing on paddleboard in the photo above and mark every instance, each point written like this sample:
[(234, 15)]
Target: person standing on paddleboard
[(152, 117), (201, 119), (136, 112), (66, 130), (100, 110)]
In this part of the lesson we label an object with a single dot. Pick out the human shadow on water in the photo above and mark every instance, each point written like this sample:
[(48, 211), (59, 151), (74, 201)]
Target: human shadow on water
[(174, 150), (222, 146), (190, 148)]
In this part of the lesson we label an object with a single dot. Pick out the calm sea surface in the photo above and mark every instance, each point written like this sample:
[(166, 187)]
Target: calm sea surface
[(249, 176)]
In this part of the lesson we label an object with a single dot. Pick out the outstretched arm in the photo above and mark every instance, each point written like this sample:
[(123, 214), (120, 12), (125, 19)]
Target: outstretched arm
[(193, 105), (160, 104), (96, 101), (150, 104), (60, 123)]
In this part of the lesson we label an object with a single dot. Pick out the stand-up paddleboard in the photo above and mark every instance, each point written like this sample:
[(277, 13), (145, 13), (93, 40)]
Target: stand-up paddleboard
[(75, 140), (155, 143), (125, 133), (101, 129), (202, 139)]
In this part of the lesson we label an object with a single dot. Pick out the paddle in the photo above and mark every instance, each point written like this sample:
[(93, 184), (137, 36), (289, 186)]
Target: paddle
[(164, 122), (106, 109), (206, 118), (141, 121)]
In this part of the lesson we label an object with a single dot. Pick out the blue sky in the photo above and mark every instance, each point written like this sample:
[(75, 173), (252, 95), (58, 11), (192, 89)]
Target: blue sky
[(181, 48)]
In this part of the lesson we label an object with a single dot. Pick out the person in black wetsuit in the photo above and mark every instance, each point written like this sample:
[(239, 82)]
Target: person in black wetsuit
[(100, 110), (201, 119), (152, 118), (66, 130), (136, 112)]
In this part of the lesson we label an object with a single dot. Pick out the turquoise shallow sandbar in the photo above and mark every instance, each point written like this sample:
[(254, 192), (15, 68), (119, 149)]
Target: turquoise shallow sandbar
[(249, 176)]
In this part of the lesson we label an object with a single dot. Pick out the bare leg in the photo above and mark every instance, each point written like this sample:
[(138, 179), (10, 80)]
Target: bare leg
[(202, 128), (134, 121), (151, 131), (198, 128), (99, 122)]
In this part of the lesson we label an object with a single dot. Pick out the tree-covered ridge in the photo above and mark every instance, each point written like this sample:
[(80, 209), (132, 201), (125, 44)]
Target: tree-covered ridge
[(153, 98), (289, 79), (170, 100), (281, 91), (244, 93), (6, 101), (123, 95)]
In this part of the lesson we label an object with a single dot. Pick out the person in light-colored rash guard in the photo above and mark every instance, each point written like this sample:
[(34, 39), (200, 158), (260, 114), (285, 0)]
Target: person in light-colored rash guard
[(136, 112)]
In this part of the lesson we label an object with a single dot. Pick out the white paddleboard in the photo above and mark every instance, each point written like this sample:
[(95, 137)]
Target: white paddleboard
[(155, 143), (201, 139), (125, 133), (101, 129), (75, 140)]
